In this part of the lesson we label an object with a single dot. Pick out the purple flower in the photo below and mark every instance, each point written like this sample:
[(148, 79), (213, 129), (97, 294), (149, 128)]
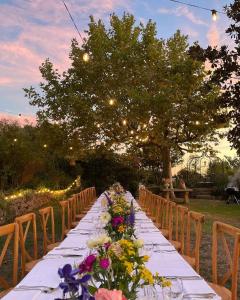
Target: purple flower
[(87, 264), (107, 245), (117, 221), (104, 263), (132, 215), (70, 283)]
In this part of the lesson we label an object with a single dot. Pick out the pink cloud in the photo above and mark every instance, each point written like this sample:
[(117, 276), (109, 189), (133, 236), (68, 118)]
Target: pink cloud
[(183, 11), (213, 35), (44, 30), (23, 120)]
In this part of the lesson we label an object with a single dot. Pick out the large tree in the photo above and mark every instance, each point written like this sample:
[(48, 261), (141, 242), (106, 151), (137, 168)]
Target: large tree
[(136, 91)]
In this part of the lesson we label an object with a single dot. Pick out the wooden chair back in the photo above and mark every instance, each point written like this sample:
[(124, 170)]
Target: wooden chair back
[(10, 233), (72, 208), (25, 222), (194, 221), (180, 225), (47, 218), (171, 209), (222, 232), (65, 217)]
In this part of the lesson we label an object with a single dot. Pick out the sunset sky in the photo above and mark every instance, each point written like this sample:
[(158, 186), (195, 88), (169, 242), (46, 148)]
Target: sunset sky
[(32, 30)]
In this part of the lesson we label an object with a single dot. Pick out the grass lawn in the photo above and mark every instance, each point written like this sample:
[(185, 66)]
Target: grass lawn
[(214, 210)]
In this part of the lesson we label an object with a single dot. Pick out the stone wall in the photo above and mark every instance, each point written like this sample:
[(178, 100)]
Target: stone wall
[(23, 205)]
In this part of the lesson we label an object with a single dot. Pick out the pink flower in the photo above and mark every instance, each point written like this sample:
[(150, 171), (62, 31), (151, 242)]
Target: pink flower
[(87, 264), (104, 294), (104, 263), (117, 221)]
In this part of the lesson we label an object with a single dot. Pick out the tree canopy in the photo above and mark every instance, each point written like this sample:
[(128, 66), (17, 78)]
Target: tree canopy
[(136, 91)]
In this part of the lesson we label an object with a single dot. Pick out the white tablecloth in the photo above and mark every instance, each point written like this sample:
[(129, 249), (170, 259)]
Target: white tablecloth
[(165, 263)]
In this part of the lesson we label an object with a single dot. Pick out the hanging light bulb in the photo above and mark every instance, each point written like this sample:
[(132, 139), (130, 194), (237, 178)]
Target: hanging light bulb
[(19, 115), (45, 146), (70, 148), (197, 123), (15, 140), (124, 122), (98, 125), (111, 101), (144, 125), (214, 15), (132, 132), (86, 57)]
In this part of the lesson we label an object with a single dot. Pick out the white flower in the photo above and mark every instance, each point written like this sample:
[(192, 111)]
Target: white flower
[(105, 217), (91, 243), (98, 241), (103, 239), (139, 243)]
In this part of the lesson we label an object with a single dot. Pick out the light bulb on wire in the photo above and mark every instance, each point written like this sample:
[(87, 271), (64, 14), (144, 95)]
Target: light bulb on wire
[(86, 57), (124, 122), (214, 15), (111, 102)]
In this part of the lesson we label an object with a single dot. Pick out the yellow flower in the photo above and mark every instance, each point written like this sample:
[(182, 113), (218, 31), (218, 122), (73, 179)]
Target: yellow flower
[(166, 283), (121, 228), (129, 266), (145, 258), (146, 275)]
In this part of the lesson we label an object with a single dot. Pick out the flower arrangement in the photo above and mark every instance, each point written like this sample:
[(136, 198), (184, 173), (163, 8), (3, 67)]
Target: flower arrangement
[(117, 265), (120, 217)]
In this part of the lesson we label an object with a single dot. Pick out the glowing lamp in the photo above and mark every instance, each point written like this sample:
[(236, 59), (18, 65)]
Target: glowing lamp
[(111, 102), (86, 57), (214, 15)]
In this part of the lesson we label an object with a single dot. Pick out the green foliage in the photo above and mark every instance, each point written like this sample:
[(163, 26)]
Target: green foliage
[(191, 178)]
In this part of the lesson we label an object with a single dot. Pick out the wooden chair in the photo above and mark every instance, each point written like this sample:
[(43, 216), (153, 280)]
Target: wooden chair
[(28, 261), (220, 232), (79, 207), (66, 222), (180, 224), (192, 255), (46, 217), (72, 208), (10, 233)]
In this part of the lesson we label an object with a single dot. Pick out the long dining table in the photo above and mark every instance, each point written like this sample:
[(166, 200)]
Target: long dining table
[(164, 259)]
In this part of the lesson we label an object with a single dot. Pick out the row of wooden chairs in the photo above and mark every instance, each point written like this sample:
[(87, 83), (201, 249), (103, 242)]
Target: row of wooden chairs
[(176, 223), (19, 232)]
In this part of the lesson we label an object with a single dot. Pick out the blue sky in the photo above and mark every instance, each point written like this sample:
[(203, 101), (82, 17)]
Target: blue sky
[(32, 30)]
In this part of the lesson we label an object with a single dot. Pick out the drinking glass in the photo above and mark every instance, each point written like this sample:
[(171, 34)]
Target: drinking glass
[(149, 293), (174, 292)]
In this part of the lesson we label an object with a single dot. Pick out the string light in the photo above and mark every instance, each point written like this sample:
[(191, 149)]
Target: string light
[(132, 132), (45, 190), (197, 123), (124, 122), (213, 11), (144, 125), (15, 140), (70, 148), (98, 125), (111, 102), (86, 57), (214, 15), (45, 146)]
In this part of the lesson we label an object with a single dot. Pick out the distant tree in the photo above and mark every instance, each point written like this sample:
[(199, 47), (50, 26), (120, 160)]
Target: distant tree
[(135, 92)]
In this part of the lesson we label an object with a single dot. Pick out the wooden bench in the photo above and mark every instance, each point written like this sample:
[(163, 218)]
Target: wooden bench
[(167, 193)]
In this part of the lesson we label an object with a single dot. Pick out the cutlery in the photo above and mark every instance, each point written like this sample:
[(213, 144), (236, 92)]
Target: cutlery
[(80, 233), (52, 255), (185, 277), (70, 248), (158, 244), (200, 295), (42, 288), (167, 251)]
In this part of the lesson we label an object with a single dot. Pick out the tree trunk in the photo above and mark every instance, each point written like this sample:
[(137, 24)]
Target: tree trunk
[(167, 168)]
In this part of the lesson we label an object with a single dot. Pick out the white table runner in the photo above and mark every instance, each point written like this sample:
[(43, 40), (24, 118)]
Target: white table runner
[(165, 263)]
